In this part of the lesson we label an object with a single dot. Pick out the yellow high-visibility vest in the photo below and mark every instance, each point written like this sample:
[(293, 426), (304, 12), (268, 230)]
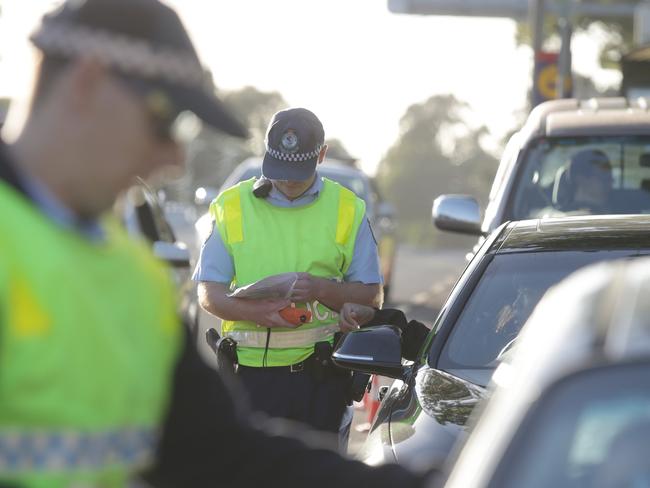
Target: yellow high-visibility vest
[(264, 240), (89, 337)]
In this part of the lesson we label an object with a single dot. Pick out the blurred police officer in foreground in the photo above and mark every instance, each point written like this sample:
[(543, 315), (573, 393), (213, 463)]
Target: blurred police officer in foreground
[(98, 381), (290, 220)]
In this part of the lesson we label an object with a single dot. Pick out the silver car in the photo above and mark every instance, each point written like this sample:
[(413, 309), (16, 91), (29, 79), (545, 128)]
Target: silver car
[(572, 405)]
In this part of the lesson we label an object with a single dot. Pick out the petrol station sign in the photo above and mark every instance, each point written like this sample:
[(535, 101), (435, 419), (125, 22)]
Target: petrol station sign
[(545, 77)]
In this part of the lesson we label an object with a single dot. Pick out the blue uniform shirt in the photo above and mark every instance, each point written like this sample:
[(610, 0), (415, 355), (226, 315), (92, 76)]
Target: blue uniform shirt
[(52, 207), (216, 264)]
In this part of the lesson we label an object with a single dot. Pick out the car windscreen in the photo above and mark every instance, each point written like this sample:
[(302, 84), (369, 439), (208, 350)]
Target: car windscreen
[(500, 304), (583, 176), (592, 429)]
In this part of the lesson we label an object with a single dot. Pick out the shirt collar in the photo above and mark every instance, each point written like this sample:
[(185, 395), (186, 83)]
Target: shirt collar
[(55, 210)]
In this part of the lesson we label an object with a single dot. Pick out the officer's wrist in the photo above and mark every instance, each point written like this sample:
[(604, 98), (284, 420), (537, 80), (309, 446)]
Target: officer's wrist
[(321, 287)]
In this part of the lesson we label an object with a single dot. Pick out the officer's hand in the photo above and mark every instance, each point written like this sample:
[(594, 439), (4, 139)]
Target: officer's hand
[(306, 288), (266, 313), (354, 315)]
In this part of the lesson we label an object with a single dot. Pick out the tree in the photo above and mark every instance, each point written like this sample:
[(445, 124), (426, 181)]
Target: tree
[(437, 152)]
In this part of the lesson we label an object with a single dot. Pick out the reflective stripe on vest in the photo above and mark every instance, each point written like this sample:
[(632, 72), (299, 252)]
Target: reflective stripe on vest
[(279, 340), (233, 216), (52, 451), (232, 209), (346, 217)]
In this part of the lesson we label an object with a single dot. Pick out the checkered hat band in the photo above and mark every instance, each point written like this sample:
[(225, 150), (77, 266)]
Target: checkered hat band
[(128, 54), (57, 451), (293, 157)]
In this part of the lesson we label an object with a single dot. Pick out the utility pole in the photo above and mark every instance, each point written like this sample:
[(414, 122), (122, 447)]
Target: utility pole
[(564, 75)]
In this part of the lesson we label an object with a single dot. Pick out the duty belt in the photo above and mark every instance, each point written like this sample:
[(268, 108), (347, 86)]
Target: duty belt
[(284, 339)]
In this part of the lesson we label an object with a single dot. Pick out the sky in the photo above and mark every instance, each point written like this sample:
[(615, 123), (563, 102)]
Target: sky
[(352, 62)]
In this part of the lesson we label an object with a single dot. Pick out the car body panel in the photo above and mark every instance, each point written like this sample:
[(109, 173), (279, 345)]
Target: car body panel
[(424, 427), (578, 233)]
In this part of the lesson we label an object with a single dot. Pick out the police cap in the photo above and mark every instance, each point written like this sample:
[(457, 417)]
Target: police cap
[(145, 42)]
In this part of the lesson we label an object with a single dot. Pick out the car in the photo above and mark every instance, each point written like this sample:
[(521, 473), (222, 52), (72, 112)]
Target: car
[(572, 406), (532, 178), (426, 410), (141, 212), (381, 213)]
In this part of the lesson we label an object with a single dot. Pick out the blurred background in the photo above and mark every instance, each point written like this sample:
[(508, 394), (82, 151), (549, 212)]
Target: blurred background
[(419, 95), (418, 98)]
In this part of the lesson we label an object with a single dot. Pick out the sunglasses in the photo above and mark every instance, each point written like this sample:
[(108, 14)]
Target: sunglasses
[(160, 109), (162, 114)]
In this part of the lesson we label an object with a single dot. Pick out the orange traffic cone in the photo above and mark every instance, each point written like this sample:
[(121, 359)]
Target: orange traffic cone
[(373, 400)]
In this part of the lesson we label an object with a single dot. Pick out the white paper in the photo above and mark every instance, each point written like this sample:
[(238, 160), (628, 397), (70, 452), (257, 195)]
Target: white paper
[(272, 287)]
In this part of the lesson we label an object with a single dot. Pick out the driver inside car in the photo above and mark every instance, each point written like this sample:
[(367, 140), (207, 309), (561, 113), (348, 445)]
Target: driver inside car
[(590, 176)]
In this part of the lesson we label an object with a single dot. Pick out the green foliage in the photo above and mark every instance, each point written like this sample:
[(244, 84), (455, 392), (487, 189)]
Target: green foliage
[(437, 152)]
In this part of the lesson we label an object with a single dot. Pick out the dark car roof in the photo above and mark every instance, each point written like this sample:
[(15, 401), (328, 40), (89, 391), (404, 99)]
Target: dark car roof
[(599, 232)]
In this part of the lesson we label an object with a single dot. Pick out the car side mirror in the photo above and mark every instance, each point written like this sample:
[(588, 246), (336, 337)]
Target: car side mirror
[(457, 213), (174, 253), (373, 350)]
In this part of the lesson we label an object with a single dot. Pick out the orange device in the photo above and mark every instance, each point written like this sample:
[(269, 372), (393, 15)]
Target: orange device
[(296, 316)]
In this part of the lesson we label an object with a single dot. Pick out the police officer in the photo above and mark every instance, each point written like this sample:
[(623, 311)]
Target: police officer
[(98, 380), (291, 220)]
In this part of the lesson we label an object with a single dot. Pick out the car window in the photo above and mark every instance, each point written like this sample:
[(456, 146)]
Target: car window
[(547, 187), (500, 304), (592, 429)]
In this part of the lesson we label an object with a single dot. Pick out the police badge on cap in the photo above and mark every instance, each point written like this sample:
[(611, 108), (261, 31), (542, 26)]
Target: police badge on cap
[(289, 142)]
